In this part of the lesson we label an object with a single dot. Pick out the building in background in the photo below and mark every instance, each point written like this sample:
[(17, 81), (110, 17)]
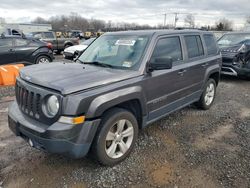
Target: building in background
[(18, 28)]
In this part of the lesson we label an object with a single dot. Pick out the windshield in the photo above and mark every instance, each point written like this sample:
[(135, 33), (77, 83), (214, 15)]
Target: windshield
[(234, 39), (87, 42), (122, 52)]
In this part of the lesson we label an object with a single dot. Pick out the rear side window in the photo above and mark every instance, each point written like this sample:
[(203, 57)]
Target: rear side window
[(210, 44), (168, 47), (48, 35), (21, 42), (5, 42), (194, 46)]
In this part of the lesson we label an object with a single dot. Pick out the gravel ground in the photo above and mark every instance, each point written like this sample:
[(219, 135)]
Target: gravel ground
[(189, 148)]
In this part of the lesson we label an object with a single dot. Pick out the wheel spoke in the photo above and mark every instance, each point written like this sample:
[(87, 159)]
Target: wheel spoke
[(111, 150), (110, 136), (123, 147), (128, 132), (120, 125)]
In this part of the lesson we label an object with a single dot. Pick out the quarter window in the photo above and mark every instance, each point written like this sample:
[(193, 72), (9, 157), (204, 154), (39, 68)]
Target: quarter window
[(194, 46), (210, 44), (168, 47)]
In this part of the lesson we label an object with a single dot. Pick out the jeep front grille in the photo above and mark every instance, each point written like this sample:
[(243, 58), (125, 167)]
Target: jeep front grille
[(28, 101)]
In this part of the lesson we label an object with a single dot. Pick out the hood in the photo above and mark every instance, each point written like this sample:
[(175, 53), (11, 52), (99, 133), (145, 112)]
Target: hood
[(72, 49), (72, 77)]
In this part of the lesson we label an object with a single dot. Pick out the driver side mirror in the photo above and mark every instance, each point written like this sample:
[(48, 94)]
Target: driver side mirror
[(160, 63)]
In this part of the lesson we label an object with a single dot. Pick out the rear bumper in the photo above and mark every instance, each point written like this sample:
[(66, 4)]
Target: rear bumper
[(70, 140)]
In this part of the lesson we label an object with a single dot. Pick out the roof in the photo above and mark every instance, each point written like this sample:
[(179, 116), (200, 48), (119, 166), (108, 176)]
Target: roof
[(157, 32)]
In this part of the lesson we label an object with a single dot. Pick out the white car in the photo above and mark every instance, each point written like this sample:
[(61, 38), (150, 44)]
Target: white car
[(73, 51)]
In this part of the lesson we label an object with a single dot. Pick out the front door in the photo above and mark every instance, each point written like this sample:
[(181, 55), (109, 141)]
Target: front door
[(164, 88), (7, 52)]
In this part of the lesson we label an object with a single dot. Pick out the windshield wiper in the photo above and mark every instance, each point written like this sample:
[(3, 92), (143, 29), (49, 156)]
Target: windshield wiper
[(99, 64)]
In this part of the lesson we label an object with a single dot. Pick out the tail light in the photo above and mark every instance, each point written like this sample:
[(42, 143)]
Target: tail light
[(49, 45)]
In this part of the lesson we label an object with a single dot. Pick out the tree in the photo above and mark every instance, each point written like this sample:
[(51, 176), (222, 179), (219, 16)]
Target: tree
[(190, 20), (224, 25), (40, 20), (248, 19)]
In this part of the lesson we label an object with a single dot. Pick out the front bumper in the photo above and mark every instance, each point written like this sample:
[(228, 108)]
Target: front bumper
[(70, 140), (235, 69)]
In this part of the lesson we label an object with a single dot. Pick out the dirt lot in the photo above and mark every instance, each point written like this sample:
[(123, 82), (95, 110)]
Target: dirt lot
[(190, 148)]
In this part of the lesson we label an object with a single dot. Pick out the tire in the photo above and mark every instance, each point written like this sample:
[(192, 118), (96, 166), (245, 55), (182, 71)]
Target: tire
[(208, 95), (107, 150), (42, 59)]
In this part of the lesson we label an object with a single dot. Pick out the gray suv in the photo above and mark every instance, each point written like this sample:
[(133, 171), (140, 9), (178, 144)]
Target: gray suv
[(123, 82)]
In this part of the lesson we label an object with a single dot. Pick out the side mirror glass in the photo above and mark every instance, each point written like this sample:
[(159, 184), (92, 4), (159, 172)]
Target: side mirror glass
[(160, 63)]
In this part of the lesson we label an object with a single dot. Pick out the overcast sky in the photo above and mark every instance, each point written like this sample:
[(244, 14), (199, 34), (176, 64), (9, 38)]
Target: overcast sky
[(140, 11)]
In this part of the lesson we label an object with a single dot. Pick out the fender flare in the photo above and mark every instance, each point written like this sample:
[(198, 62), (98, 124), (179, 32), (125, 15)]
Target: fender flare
[(106, 101)]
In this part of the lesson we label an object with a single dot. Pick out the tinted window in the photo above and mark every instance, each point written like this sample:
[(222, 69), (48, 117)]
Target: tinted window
[(210, 44), (21, 42), (5, 42), (48, 35), (168, 47), (194, 46)]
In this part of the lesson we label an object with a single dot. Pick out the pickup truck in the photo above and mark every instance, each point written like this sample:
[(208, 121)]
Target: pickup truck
[(58, 44), (121, 83)]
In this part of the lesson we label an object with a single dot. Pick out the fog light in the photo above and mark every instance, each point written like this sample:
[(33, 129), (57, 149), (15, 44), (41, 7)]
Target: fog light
[(72, 120)]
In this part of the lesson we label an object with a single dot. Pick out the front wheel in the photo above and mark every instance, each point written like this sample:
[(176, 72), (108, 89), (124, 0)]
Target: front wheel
[(116, 137), (208, 95)]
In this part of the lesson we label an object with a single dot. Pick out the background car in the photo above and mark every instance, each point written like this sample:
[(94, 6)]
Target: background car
[(59, 43), (73, 51), (235, 50), (15, 49)]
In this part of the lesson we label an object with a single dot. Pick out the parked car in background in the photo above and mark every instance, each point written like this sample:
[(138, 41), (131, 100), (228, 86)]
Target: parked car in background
[(15, 49), (235, 50), (59, 44), (73, 51), (121, 83)]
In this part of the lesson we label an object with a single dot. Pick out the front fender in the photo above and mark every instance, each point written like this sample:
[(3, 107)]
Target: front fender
[(109, 100)]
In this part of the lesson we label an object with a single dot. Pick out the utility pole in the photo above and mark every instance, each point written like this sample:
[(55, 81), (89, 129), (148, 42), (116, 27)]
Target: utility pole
[(175, 19), (165, 17)]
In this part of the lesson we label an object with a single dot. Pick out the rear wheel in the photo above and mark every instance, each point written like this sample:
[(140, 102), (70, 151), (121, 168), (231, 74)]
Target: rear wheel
[(208, 95), (116, 137), (43, 59)]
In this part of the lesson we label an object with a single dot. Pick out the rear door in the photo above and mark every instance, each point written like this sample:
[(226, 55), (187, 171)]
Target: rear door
[(7, 52), (196, 64), (23, 49), (164, 88)]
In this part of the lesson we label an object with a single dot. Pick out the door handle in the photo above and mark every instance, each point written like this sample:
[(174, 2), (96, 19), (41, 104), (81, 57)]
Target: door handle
[(181, 72), (204, 65)]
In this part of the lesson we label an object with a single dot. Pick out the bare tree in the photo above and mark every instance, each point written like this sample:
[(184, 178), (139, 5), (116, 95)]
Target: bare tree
[(224, 25), (248, 19), (190, 20), (40, 20)]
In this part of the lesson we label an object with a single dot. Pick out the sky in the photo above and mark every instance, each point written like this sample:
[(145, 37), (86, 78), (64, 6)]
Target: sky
[(206, 12)]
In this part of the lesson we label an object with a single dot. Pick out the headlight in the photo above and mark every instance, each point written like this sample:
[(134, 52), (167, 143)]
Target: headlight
[(243, 49), (51, 106)]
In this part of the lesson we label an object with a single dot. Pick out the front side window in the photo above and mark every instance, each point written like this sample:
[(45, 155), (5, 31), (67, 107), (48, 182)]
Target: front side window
[(122, 52), (168, 47), (210, 44), (5, 42), (194, 46), (48, 35)]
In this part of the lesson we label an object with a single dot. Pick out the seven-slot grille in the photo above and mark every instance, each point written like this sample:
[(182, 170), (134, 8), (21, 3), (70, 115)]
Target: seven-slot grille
[(29, 102)]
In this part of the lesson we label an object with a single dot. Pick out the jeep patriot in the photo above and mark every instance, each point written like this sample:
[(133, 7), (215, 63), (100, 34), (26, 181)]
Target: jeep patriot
[(121, 83)]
